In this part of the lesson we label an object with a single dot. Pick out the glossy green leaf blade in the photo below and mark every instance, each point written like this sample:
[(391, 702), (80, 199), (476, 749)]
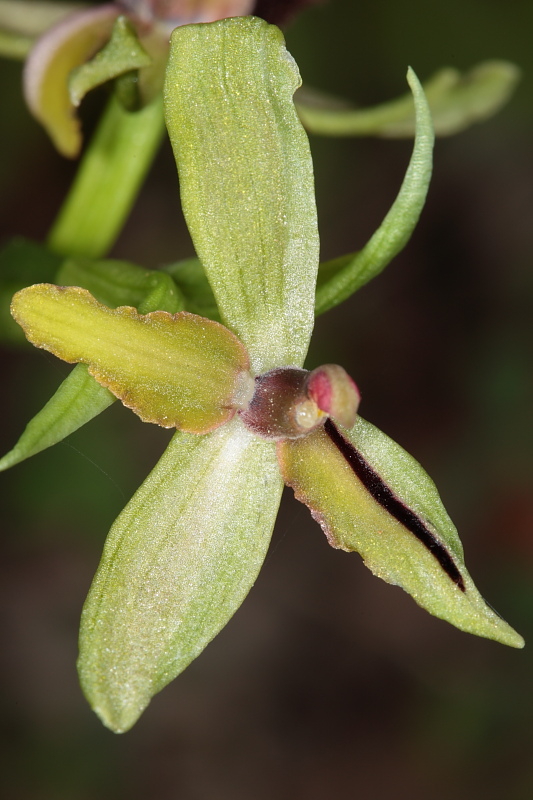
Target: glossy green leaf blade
[(177, 564), (78, 400), (246, 181), (341, 277), (179, 370), (419, 551), (456, 101)]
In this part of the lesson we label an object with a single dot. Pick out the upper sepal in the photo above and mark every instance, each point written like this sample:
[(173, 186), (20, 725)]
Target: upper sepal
[(246, 181), (370, 496), (178, 370)]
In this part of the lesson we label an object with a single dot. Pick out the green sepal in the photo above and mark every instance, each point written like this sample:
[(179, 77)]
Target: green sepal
[(123, 53), (177, 564), (340, 278), (358, 518), (22, 262), (191, 280), (246, 181), (178, 370), (51, 60), (78, 400), (456, 101), (121, 283)]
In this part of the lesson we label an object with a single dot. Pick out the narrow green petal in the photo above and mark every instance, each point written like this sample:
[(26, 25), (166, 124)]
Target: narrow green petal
[(456, 101), (177, 564), (341, 277), (78, 400), (56, 53), (122, 53), (246, 181), (33, 17), (179, 370), (370, 496)]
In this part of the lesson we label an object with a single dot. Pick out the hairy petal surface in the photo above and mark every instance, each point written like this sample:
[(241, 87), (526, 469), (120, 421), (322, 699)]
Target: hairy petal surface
[(178, 370), (246, 181), (370, 496), (177, 564)]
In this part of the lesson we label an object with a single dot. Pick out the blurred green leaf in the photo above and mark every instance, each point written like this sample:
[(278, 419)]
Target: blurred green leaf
[(22, 21), (341, 277), (78, 400), (456, 102)]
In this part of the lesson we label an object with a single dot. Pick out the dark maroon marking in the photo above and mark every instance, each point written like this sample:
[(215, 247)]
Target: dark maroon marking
[(384, 495)]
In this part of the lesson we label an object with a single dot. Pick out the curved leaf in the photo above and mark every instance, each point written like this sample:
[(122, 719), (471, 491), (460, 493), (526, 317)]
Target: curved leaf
[(456, 101), (246, 181), (341, 277), (371, 497), (78, 400), (177, 564)]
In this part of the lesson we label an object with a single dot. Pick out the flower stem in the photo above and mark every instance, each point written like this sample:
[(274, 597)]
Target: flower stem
[(106, 185)]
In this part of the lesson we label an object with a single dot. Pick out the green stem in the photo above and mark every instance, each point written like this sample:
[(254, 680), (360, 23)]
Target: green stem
[(108, 180)]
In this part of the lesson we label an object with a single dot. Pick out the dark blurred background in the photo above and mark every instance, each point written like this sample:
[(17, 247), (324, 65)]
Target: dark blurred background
[(327, 682)]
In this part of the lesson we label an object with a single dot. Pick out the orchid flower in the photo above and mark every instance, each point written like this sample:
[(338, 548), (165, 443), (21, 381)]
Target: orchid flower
[(81, 47), (187, 548), (72, 47)]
